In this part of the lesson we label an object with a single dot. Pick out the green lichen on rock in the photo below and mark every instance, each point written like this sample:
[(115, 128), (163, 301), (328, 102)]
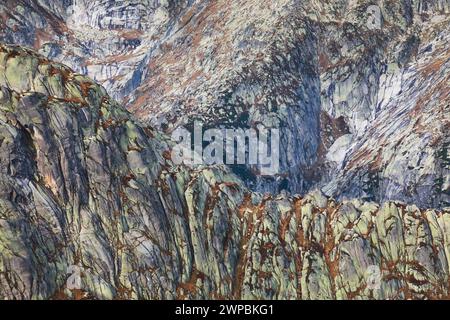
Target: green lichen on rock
[(84, 184)]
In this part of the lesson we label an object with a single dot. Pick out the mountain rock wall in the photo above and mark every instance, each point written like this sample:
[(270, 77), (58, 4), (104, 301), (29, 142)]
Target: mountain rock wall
[(84, 186)]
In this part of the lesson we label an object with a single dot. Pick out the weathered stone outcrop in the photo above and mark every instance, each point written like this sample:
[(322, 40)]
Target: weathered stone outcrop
[(82, 183), (363, 111)]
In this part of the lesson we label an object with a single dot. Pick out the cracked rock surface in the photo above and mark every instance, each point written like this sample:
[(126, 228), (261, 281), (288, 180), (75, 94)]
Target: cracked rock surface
[(83, 183), (364, 113)]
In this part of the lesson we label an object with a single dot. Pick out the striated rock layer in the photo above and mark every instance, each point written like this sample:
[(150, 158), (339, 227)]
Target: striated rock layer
[(83, 183), (364, 112)]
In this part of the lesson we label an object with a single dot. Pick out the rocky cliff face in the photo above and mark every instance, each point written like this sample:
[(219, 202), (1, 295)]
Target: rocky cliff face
[(363, 110), (82, 183), (86, 181), (111, 41)]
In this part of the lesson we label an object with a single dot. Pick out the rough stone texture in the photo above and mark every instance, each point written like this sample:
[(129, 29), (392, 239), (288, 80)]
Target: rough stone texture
[(111, 41), (403, 153), (84, 183), (311, 67)]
